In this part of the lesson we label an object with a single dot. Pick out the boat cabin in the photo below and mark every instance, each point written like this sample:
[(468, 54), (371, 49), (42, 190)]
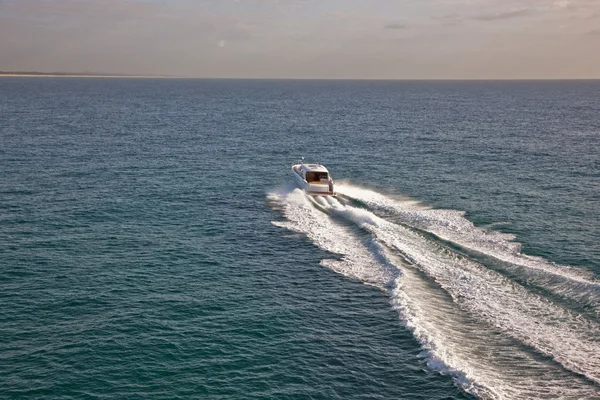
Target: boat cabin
[(314, 173), (314, 178)]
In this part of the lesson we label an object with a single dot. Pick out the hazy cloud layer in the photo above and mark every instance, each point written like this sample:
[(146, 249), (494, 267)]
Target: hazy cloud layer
[(305, 38), (395, 26), (505, 15)]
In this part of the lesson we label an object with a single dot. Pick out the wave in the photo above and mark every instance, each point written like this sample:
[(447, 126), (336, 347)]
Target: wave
[(357, 260), (565, 281), (495, 337)]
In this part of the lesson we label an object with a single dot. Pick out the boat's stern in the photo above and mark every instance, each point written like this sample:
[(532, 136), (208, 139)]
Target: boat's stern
[(319, 181), (322, 189)]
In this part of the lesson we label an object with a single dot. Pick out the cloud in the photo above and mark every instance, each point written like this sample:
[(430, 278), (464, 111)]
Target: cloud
[(593, 32), (450, 19), (561, 4), (505, 15), (396, 26)]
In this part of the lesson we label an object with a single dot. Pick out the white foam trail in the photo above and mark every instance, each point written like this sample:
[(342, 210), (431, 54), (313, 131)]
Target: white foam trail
[(485, 363), (357, 261), (556, 332), (565, 281)]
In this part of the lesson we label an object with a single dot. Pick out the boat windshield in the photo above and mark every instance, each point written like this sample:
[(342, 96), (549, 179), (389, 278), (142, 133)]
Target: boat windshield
[(316, 176)]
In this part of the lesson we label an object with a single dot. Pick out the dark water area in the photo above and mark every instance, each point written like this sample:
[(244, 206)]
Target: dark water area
[(152, 246)]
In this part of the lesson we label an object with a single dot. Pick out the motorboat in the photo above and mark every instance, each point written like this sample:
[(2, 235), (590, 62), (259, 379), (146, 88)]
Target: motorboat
[(313, 178)]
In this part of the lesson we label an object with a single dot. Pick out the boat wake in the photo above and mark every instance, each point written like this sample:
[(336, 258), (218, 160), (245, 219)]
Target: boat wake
[(475, 312)]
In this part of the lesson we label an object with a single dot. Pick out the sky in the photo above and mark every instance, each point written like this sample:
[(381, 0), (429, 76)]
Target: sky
[(348, 39)]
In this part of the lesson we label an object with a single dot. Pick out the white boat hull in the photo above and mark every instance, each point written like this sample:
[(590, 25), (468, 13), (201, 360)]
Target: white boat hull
[(313, 188)]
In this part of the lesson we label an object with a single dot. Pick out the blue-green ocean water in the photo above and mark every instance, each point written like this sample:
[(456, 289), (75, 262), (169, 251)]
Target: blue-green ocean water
[(152, 245)]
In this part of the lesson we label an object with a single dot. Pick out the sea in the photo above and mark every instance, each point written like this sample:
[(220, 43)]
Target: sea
[(153, 244)]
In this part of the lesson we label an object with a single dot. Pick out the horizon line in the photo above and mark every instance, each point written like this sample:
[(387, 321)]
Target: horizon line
[(163, 76), (26, 74)]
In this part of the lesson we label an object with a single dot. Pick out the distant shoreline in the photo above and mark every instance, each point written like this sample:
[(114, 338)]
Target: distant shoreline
[(77, 75), (84, 75)]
